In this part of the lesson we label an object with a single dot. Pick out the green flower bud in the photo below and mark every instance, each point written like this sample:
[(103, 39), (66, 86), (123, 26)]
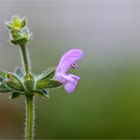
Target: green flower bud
[(46, 81), (26, 35), (16, 34), (14, 83), (10, 26), (22, 39), (16, 23), (19, 33), (29, 82)]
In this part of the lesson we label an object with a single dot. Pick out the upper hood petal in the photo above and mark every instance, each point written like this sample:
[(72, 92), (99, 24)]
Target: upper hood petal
[(68, 59)]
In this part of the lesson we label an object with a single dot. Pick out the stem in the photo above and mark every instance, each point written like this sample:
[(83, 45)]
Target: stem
[(30, 115), (25, 58), (29, 126)]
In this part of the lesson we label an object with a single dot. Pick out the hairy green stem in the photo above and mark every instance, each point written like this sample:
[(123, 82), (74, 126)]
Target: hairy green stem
[(30, 115), (29, 126), (25, 58)]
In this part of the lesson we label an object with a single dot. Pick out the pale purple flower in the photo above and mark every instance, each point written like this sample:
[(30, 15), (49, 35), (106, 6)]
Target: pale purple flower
[(68, 61)]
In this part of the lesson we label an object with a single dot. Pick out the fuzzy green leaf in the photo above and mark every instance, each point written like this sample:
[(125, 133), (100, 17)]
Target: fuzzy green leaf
[(23, 22), (53, 84), (22, 40), (14, 83), (44, 93), (9, 26), (4, 89), (2, 75), (44, 79), (19, 72), (46, 83), (48, 74), (14, 95)]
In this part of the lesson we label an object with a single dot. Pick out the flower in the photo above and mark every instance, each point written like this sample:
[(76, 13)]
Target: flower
[(67, 61)]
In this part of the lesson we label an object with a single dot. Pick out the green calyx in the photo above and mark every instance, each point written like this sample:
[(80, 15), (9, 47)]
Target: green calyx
[(46, 80), (29, 82), (14, 83), (19, 83)]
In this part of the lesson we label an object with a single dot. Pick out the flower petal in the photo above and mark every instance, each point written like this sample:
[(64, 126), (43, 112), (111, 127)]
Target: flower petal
[(61, 78), (64, 78), (69, 81), (68, 59), (70, 86)]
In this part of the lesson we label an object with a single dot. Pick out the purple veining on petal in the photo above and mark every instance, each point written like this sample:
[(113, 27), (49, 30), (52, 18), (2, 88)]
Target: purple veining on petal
[(68, 59)]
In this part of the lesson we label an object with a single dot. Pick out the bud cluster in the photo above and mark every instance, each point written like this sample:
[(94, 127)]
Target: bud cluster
[(19, 32)]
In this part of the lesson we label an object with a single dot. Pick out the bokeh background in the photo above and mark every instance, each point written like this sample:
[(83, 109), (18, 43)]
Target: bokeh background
[(106, 103)]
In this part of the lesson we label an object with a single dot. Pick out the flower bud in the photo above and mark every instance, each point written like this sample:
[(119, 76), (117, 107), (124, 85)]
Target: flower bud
[(16, 23), (14, 83), (46, 81), (19, 33), (29, 82)]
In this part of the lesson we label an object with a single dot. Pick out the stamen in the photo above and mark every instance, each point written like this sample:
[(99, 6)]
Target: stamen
[(74, 66)]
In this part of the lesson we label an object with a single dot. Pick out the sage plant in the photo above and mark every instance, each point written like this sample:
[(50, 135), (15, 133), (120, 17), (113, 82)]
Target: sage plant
[(23, 82)]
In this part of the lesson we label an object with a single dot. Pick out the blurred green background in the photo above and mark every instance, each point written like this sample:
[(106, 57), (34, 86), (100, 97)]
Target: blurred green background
[(106, 103)]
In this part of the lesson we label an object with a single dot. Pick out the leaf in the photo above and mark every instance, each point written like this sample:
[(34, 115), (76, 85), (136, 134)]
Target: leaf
[(2, 75), (43, 92), (4, 89), (14, 83), (9, 26), (46, 83), (44, 80), (19, 71), (21, 40), (14, 95), (53, 84), (23, 22), (48, 74)]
